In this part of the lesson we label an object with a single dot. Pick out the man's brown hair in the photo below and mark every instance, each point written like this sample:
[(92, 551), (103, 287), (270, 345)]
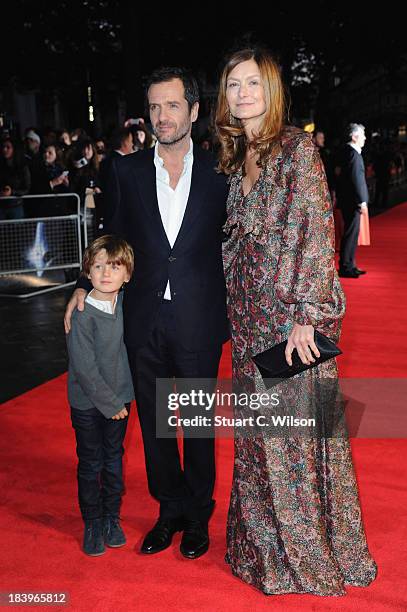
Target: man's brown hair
[(118, 252)]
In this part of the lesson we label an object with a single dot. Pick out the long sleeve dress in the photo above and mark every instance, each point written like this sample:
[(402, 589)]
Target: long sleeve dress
[(294, 522)]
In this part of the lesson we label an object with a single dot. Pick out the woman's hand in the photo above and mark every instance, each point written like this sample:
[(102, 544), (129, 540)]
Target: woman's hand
[(59, 180), (302, 339)]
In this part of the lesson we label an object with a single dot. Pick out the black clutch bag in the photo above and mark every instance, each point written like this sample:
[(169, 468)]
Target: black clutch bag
[(273, 364)]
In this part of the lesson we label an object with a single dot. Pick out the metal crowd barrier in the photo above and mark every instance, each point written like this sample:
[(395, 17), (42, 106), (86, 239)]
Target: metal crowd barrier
[(89, 225), (39, 253)]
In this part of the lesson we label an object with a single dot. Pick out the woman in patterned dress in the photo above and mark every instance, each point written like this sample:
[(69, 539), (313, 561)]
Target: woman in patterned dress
[(294, 523)]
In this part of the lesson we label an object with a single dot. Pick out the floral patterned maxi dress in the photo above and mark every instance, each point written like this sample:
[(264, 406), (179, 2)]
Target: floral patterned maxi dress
[(294, 523)]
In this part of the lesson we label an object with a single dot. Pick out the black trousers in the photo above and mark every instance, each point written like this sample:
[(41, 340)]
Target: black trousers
[(182, 491), (99, 446), (349, 242)]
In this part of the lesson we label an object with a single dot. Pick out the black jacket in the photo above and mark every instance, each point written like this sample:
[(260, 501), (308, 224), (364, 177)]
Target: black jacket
[(16, 176), (193, 266), (351, 185), (105, 167)]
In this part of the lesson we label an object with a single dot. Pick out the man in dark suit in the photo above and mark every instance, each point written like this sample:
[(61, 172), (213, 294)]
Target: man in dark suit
[(170, 204), (353, 195), (121, 143)]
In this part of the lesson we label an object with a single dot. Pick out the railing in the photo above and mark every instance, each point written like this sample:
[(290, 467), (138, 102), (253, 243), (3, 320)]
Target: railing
[(89, 225), (38, 255)]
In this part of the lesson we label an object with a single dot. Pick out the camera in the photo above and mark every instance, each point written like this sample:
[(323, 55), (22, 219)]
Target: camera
[(79, 163)]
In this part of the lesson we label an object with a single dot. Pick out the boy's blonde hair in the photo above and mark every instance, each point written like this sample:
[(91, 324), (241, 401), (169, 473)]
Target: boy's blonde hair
[(118, 251)]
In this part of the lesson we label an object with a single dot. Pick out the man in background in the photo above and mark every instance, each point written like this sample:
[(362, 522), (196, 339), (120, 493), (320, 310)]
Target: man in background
[(352, 196)]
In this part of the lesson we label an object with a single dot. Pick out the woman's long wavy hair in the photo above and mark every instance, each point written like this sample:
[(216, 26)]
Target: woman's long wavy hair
[(230, 132)]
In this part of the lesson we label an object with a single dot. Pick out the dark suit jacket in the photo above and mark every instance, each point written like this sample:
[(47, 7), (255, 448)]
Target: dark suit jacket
[(351, 185), (105, 167), (105, 170), (193, 266)]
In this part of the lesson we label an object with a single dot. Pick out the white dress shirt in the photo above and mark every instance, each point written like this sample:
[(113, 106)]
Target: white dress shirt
[(172, 202), (356, 147)]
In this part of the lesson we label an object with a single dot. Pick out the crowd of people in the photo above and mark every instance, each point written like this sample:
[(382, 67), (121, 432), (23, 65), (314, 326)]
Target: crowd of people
[(60, 162), (64, 161)]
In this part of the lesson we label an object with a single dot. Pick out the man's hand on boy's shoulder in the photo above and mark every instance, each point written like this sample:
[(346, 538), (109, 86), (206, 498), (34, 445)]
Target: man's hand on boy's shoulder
[(77, 301), (121, 415)]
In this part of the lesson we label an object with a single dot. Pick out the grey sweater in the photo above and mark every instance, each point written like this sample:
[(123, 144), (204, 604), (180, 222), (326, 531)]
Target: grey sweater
[(99, 374)]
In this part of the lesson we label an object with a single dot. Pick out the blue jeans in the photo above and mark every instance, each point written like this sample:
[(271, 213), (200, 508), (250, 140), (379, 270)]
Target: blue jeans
[(99, 446)]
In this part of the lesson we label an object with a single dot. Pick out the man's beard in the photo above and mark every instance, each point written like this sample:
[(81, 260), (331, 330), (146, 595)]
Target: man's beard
[(179, 135)]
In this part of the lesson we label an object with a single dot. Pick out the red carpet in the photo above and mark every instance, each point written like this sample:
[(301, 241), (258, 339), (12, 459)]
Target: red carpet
[(40, 525)]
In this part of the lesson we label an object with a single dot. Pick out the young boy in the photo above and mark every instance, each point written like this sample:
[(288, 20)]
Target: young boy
[(100, 391)]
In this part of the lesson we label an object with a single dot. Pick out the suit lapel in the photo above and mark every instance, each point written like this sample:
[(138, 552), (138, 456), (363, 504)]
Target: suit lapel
[(147, 187), (145, 175), (199, 181)]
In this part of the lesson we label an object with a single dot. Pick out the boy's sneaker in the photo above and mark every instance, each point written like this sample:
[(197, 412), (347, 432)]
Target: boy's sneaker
[(112, 532), (93, 543)]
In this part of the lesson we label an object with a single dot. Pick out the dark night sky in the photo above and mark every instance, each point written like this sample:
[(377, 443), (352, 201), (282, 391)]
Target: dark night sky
[(47, 37), (61, 44)]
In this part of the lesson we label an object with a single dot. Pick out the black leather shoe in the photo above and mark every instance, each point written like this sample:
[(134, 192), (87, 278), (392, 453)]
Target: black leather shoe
[(160, 537), (348, 274), (358, 271), (195, 539)]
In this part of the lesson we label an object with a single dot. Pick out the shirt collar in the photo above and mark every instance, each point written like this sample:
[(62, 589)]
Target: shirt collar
[(355, 146), (103, 305), (159, 160)]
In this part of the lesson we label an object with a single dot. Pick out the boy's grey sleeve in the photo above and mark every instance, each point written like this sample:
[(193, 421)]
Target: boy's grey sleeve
[(83, 363)]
